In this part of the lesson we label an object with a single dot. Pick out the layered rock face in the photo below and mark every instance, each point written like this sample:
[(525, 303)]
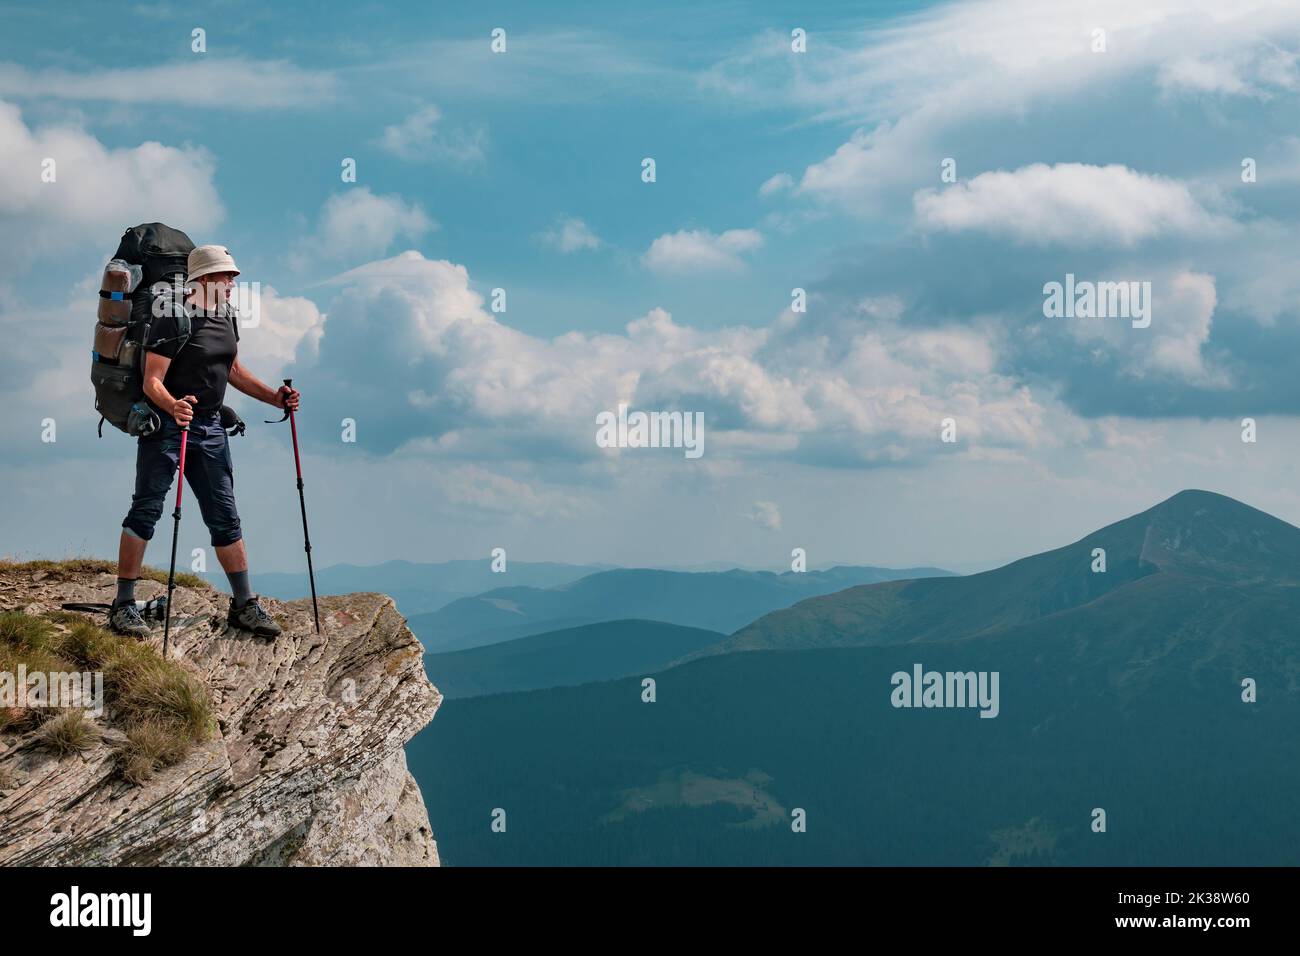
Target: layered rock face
[(306, 766)]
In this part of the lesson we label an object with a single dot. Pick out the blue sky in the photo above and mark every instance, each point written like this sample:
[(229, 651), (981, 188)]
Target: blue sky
[(775, 170)]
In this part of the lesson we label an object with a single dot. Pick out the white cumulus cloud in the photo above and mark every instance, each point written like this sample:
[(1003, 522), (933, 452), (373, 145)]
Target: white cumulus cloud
[(96, 191), (698, 250), (278, 326), (357, 224), (1068, 202), (1182, 305), (409, 345)]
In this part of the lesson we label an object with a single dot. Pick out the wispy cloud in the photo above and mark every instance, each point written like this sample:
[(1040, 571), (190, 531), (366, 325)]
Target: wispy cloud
[(570, 234), (230, 83), (555, 66), (766, 515), (912, 86), (423, 136), (778, 183), (1261, 72)]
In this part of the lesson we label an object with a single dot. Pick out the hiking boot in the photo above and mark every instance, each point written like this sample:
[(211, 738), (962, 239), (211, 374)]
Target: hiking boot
[(251, 617), (125, 618)]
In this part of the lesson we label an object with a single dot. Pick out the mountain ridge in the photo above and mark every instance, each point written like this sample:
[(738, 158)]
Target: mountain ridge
[(710, 600), (1165, 695), (416, 587), (565, 657), (1193, 533)]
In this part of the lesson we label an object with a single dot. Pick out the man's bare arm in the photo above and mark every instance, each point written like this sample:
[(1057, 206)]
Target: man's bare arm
[(155, 370), (248, 383)]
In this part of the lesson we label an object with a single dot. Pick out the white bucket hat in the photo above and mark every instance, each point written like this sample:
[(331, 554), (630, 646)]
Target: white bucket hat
[(205, 260)]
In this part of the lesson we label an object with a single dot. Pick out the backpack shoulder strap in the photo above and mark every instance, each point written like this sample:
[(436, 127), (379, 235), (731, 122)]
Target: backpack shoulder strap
[(183, 329)]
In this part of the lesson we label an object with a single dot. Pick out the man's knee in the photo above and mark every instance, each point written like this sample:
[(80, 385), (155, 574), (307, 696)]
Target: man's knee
[(154, 471), (142, 517), (225, 532)]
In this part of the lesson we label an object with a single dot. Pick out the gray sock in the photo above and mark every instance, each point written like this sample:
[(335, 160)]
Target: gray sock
[(125, 590), (239, 587)]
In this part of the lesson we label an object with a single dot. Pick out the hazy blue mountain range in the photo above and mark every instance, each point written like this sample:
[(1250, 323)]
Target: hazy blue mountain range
[(417, 588), (711, 600), (571, 656), (1120, 691), (1193, 534)]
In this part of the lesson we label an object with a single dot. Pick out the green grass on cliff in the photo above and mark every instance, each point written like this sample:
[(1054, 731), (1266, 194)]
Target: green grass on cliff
[(70, 568), (162, 708)]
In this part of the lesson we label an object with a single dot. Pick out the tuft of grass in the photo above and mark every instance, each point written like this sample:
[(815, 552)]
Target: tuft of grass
[(151, 745), (62, 569), (162, 708), (64, 617), (159, 693), (28, 640), (68, 733), (71, 568), (165, 709), (20, 720), (184, 579), (28, 634)]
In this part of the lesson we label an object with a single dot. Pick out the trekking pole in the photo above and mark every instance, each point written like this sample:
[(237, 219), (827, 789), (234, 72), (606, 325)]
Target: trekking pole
[(176, 531), (302, 502)]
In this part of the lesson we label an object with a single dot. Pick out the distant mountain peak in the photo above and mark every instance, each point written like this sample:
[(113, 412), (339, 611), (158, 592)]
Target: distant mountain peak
[(1212, 535), (1195, 534), (1193, 500), (1193, 494)]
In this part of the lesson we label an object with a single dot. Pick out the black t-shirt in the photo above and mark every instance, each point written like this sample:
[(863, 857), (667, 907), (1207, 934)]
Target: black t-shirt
[(202, 366)]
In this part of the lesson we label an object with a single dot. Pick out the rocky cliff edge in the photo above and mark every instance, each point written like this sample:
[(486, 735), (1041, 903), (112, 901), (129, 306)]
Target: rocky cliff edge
[(305, 765)]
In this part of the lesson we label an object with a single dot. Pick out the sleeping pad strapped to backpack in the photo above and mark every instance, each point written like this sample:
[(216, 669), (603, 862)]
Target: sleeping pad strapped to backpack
[(144, 282)]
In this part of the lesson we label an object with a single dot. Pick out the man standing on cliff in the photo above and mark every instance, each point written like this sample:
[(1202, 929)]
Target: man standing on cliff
[(185, 382)]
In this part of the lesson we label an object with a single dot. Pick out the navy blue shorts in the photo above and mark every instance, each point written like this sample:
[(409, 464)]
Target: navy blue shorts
[(208, 470)]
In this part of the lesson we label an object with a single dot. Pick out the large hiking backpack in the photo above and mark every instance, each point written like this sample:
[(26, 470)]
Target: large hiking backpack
[(144, 282)]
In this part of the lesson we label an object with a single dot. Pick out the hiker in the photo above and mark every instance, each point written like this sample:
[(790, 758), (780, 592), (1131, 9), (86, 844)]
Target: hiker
[(185, 386)]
